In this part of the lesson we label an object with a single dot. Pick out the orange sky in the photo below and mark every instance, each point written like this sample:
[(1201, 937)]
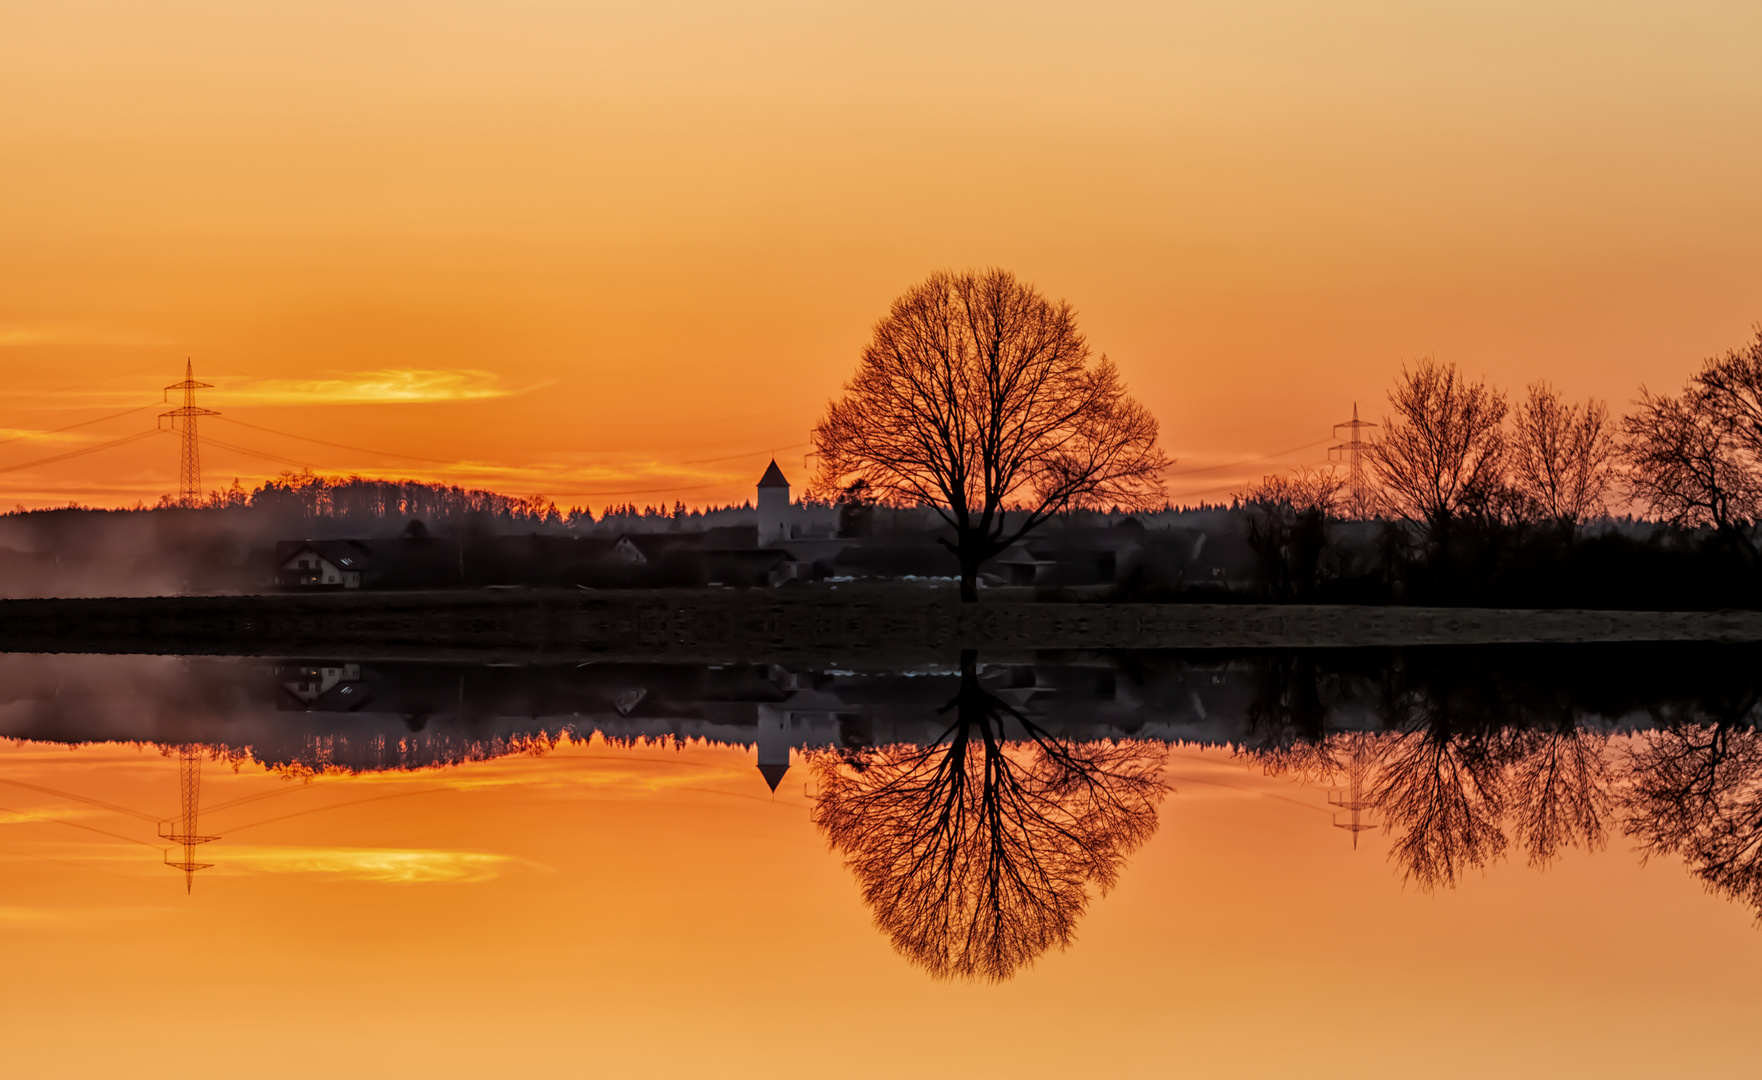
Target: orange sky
[(655, 912), (578, 249)]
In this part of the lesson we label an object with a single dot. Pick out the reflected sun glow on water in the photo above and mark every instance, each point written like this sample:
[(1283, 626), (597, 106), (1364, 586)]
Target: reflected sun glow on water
[(654, 909)]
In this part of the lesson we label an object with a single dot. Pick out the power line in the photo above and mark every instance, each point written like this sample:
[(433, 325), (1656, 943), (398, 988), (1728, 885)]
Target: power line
[(644, 491), (750, 453), (75, 825), (212, 441), (81, 798), (339, 446), (1249, 461), (77, 386), (79, 453), (81, 424)]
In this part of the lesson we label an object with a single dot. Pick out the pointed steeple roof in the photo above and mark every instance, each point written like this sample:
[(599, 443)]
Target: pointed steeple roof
[(773, 477), (773, 774)]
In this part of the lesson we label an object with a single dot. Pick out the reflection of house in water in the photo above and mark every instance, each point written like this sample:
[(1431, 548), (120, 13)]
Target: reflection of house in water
[(308, 684)]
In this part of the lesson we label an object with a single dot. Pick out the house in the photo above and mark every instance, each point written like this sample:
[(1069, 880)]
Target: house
[(322, 564)]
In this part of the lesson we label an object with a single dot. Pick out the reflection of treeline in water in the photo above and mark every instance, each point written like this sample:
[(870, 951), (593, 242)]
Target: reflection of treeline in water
[(1463, 755), (981, 806)]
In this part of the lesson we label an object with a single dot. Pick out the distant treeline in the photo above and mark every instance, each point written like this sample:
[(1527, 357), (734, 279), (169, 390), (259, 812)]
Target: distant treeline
[(1485, 504), (370, 502)]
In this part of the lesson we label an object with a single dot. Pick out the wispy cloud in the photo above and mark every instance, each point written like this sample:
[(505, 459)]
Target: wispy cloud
[(13, 335), (12, 434), (392, 865), (385, 386)]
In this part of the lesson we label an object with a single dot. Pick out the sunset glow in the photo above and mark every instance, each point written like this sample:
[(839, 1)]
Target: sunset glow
[(599, 252)]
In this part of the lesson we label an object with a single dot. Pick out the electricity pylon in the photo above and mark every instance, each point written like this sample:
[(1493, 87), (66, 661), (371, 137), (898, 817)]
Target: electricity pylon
[(1352, 801), (189, 482), (1354, 447), (183, 832)]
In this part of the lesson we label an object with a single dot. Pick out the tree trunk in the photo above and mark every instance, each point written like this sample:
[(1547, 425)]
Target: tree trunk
[(969, 580)]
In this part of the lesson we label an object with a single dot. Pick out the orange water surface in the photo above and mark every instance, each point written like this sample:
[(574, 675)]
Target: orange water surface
[(653, 910)]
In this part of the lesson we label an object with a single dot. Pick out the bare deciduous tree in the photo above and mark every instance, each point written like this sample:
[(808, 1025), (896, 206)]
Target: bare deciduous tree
[(1287, 518), (1562, 456), (976, 852), (1729, 387), (1558, 790), (1696, 791), (1303, 491), (975, 396), (1683, 463), (1441, 796), (1443, 453)]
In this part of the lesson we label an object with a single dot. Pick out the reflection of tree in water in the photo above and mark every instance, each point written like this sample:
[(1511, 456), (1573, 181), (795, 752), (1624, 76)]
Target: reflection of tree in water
[(1464, 766), (1696, 791), (1453, 801), (1558, 790), (976, 852)]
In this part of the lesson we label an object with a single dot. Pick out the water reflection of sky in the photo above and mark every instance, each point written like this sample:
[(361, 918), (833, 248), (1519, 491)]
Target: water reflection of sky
[(608, 897)]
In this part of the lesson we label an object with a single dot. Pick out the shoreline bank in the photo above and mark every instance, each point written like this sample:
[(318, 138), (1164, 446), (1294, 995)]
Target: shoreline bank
[(737, 623)]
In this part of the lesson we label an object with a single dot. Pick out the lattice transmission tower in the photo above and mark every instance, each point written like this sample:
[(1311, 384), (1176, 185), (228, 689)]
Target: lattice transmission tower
[(1353, 448), (184, 831), (1353, 801), (189, 481)]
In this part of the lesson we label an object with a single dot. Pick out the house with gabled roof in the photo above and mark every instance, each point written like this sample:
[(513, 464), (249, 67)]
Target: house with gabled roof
[(322, 564)]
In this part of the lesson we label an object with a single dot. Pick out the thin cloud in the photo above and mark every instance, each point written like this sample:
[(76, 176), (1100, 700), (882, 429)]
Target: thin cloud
[(14, 335), (390, 865), (386, 386), (8, 434)]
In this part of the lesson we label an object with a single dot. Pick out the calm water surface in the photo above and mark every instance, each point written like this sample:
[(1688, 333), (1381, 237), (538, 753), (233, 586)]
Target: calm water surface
[(1432, 862)]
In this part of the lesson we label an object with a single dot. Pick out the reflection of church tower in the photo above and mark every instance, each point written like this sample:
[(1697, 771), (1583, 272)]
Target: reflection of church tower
[(189, 775), (773, 507), (773, 745), (1352, 801)]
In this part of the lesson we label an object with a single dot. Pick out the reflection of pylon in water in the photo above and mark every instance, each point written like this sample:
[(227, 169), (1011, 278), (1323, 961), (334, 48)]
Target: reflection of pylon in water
[(183, 833), (1352, 801)]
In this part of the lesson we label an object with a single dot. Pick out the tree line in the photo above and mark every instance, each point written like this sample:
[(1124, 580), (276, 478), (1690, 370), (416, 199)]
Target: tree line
[(1484, 500), (1457, 450)]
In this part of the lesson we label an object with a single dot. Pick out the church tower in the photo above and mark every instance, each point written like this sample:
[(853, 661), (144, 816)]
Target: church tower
[(773, 507), (773, 745)]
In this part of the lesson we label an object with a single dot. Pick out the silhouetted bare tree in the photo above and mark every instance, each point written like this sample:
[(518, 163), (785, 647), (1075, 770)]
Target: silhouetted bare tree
[(1441, 797), (1696, 791), (1443, 452), (1562, 456), (975, 396), (1558, 790), (1684, 463), (1730, 389), (976, 853), (1287, 519)]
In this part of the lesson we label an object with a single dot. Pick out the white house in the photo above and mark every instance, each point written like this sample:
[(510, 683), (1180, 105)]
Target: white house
[(325, 564)]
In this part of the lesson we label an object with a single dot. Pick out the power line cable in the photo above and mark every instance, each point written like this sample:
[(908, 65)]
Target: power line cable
[(750, 453), (276, 458), (81, 798), (75, 825), (77, 386), (81, 424), (80, 453), (339, 446), (641, 491), (1249, 461)]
